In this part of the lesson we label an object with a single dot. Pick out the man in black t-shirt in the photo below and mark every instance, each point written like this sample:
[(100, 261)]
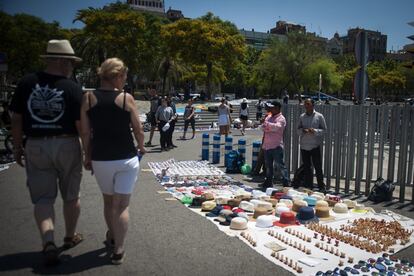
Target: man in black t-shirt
[(46, 109)]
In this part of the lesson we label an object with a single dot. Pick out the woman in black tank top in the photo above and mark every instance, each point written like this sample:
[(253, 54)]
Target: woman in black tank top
[(107, 116)]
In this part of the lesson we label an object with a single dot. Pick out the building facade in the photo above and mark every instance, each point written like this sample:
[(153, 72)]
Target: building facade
[(260, 40), (154, 6), (334, 46), (174, 15), (377, 43), (284, 27)]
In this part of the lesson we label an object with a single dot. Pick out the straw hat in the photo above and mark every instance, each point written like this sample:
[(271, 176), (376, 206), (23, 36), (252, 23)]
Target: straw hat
[(287, 202), (297, 204), (323, 213), (222, 200), (321, 203), (340, 208), (60, 49), (265, 204), (238, 223), (350, 203), (247, 206), (207, 206), (208, 196), (234, 202), (265, 221), (360, 209), (272, 201), (281, 209), (259, 211)]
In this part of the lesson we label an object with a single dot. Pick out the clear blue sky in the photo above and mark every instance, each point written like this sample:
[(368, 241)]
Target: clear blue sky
[(325, 17)]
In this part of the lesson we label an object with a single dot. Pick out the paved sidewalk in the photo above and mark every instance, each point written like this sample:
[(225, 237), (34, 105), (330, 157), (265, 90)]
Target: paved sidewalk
[(164, 238)]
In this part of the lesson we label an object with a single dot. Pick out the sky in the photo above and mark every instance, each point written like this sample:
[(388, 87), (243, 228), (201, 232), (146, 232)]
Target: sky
[(324, 17)]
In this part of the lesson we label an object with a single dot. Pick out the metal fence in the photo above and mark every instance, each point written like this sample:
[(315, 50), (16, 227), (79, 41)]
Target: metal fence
[(362, 143)]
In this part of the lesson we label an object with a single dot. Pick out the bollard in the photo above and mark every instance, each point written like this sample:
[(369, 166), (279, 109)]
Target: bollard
[(205, 146), (242, 150), (228, 147), (216, 149), (255, 153)]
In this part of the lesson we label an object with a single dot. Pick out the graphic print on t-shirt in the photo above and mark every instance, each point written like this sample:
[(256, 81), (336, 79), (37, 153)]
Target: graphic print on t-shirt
[(46, 105)]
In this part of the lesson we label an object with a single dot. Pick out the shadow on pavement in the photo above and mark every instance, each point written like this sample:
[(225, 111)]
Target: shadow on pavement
[(68, 264)]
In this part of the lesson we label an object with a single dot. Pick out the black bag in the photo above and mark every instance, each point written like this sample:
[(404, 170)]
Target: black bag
[(381, 191), (298, 177)]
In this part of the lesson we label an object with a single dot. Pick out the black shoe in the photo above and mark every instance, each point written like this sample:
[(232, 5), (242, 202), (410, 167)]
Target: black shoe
[(118, 259), (322, 189), (174, 146), (265, 184), (51, 254)]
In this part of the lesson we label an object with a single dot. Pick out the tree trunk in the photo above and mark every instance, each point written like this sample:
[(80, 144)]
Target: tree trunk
[(209, 77)]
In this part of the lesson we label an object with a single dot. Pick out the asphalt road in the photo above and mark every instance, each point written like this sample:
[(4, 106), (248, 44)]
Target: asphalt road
[(164, 237)]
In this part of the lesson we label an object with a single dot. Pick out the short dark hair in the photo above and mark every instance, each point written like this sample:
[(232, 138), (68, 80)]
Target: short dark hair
[(271, 104), (310, 100)]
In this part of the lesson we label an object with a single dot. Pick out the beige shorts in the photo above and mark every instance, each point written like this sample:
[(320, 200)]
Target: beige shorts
[(52, 163)]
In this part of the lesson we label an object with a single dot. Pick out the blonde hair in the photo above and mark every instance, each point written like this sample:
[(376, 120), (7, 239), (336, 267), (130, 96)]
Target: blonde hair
[(111, 68)]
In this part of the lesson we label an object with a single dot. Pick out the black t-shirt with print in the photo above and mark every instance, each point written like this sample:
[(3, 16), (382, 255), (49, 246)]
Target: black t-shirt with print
[(49, 104)]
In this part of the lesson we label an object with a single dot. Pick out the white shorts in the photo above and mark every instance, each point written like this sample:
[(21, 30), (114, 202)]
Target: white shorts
[(118, 176)]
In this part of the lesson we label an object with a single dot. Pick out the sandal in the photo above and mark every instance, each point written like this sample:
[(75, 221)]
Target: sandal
[(109, 242), (118, 259), (70, 242), (51, 253)]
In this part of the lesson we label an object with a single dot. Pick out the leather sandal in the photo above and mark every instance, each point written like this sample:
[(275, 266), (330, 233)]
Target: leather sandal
[(51, 254), (70, 242)]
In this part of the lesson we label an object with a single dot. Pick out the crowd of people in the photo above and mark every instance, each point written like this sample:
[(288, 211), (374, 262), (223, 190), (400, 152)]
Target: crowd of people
[(51, 111)]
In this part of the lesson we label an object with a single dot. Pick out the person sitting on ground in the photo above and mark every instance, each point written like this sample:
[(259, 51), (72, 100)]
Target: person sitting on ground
[(110, 152), (189, 113)]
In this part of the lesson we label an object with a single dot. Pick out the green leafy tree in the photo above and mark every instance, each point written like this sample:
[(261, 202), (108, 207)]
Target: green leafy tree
[(207, 41), (24, 38), (118, 31), (331, 78), (386, 78), (281, 66), (347, 67)]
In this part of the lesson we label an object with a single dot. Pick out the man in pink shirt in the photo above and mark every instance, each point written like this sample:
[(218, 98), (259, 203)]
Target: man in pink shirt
[(273, 128)]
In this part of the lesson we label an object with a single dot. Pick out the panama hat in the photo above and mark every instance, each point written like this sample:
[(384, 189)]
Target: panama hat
[(270, 190), (340, 208), (259, 211), (281, 209), (297, 204), (360, 209), (272, 201), (207, 206), (244, 100), (265, 221), (323, 213), (321, 203), (238, 223), (265, 204), (60, 49), (350, 203), (287, 202), (247, 206)]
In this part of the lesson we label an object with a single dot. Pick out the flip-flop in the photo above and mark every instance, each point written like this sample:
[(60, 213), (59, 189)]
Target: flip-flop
[(51, 253), (70, 242)]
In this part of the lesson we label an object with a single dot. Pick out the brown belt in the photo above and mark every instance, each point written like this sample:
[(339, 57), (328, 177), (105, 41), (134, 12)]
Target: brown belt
[(52, 137)]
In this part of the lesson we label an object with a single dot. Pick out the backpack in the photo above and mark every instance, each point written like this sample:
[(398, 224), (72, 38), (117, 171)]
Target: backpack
[(381, 191), (234, 162)]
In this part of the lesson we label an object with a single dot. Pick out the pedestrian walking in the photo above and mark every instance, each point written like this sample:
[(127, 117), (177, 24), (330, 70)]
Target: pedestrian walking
[(259, 109), (273, 129), (171, 103), (45, 108), (311, 129), (189, 113), (164, 116), (110, 153), (244, 114), (155, 102), (224, 118)]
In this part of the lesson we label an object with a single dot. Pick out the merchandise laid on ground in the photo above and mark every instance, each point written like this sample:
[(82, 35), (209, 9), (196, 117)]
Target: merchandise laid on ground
[(304, 232)]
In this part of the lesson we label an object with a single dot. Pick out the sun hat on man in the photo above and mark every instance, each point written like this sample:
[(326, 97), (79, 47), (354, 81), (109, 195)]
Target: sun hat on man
[(271, 104), (60, 49)]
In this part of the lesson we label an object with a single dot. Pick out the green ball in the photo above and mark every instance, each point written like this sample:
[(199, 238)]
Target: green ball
[(246, 169)]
